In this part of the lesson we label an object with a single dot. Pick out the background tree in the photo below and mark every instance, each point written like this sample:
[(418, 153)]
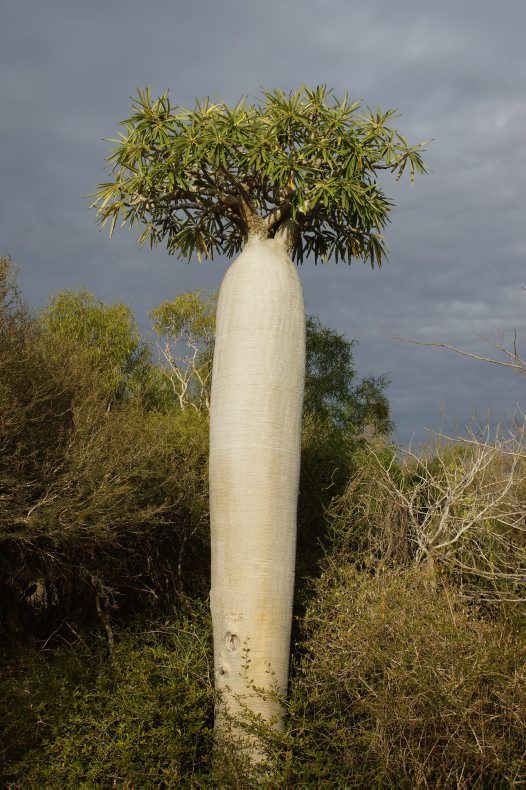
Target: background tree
[(107, 333), (185, 328), (294, 174), (330, 389)]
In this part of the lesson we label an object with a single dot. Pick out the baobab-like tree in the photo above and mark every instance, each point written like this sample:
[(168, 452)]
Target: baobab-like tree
[(283, 179)]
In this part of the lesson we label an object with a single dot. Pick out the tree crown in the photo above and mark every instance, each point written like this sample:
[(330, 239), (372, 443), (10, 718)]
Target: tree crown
[(203, 180)]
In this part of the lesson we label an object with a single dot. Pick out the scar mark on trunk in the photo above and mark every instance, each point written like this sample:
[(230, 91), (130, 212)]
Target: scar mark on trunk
[(232, 642)]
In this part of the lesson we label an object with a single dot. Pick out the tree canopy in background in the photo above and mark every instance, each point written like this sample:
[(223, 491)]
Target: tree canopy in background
[(331, 392), (201, 180), (108, 333), (185, 330)]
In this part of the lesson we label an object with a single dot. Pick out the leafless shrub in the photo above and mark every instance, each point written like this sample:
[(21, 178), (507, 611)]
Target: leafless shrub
[(459, 508)]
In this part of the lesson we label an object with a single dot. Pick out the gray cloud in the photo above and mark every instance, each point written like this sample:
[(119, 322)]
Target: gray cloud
[(457, 249)]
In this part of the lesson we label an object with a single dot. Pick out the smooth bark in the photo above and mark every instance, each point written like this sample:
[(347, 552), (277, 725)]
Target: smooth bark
[(255, 433)]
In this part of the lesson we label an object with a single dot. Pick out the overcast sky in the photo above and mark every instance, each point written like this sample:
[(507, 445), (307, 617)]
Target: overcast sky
[(457, 248)]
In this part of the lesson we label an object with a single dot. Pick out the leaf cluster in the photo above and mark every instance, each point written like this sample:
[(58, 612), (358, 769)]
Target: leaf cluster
[(202, 180)]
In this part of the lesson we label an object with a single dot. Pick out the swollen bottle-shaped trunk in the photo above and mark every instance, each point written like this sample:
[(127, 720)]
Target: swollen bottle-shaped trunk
[(255, 433)]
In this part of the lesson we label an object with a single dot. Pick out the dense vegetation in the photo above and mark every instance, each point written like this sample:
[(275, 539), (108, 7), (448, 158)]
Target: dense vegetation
[(409, 644)]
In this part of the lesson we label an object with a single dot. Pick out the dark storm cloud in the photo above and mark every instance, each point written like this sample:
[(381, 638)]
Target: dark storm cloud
[(456, 71)]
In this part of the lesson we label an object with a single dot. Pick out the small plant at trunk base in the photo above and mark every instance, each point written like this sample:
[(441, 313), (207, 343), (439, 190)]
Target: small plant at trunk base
[(290, 176)]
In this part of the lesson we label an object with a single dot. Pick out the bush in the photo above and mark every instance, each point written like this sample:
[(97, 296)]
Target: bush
[(403, 685), (108, 335), (74, 719), (399, 684), (338, 413), (460, 509), (103, 500), (367, 523)]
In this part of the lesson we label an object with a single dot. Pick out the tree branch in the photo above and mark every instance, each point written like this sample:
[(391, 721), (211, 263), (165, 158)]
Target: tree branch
[(518, 366), (277, 215)]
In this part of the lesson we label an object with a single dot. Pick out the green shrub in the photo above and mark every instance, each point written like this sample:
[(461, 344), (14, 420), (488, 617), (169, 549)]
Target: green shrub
[(398, 684), (103, 499), (108, 334), (367, 521), (74, 719), (338, 413)]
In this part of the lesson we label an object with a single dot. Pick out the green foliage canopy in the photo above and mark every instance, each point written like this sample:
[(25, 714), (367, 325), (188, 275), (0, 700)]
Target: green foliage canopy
[(204, 179), (331, 393), (107, 333), (190, 316)]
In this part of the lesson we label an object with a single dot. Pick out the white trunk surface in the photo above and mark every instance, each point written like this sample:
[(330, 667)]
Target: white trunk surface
[(255, 434)]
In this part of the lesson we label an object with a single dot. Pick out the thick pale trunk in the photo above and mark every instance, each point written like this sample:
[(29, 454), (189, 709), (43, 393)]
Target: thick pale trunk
[(255, 431)]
